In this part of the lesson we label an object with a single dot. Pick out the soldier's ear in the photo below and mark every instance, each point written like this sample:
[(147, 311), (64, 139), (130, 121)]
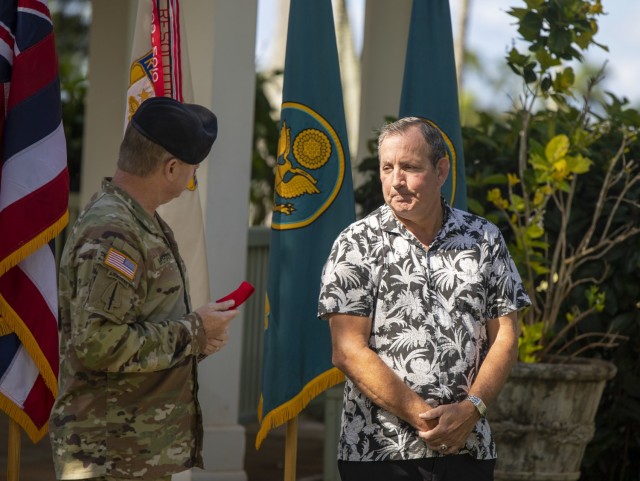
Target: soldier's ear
[(170, 167)]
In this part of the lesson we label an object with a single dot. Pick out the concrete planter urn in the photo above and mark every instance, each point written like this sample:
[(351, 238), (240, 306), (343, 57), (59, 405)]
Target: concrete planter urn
[(544, 417)]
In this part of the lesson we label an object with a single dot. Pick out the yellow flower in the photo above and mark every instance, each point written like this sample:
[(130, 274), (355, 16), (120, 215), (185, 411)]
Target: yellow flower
[(538, 197), (560, 169), (543, 286), (495, 197)]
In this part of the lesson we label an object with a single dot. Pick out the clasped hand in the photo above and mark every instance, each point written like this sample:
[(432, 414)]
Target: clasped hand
[(215, 319), (455, 423)]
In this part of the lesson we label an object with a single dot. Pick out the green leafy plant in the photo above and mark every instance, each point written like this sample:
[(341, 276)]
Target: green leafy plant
[(557, 146), (265, 145)]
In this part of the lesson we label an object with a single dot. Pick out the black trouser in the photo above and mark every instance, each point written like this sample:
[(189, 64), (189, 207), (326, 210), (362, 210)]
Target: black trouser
[(457, 467)]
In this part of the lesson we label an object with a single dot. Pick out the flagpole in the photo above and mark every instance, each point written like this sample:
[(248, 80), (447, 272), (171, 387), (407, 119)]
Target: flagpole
[(13, 452), (290, 450)]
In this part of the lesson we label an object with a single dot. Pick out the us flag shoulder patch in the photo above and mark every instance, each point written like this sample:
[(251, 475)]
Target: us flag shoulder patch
[(121, 263)]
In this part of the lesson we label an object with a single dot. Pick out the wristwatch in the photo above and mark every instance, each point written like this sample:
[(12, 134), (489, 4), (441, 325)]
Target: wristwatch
[(477, 402)]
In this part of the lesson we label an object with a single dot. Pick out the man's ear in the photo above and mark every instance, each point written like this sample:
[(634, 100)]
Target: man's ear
[(442, 168), (169, 168)]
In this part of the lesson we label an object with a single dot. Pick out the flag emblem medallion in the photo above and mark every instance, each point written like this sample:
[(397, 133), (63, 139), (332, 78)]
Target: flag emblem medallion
[(310, 168), (140, 82)]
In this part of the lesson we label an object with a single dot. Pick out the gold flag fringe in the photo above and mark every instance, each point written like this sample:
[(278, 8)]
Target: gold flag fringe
[(10, 320), (294, 406), (20, 417), (4, 329), (28, 248)]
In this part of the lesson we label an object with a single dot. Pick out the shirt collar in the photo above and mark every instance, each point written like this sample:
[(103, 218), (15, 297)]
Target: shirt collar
[(148, 221), (390, 223)]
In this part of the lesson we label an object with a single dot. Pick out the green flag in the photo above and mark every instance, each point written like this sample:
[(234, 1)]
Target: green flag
[(313, 203), (429, 87)]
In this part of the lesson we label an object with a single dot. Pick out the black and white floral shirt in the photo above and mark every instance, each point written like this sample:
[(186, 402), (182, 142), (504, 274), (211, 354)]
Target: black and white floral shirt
[(429, 310)]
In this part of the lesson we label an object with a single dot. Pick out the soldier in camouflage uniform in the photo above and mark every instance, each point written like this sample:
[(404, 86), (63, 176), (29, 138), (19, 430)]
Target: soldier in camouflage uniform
[(130, 342)]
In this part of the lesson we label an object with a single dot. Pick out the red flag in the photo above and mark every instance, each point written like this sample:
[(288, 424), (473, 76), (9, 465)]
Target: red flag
[(160, 67), (34, 193)]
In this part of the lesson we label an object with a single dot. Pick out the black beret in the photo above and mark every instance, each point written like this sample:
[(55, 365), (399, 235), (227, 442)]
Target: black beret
[(184, 130)]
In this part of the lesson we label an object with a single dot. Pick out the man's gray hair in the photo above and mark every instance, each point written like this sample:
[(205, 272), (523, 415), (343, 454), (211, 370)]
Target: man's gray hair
[(430, 133)]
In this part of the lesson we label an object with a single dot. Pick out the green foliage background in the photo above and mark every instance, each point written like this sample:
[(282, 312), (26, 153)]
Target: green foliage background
[(490, 147)]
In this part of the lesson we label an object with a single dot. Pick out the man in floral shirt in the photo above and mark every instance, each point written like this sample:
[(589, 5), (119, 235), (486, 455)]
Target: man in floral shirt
[(422, 302)]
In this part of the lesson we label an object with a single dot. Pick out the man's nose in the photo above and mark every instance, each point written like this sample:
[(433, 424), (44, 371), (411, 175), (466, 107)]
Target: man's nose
[(397, 176)]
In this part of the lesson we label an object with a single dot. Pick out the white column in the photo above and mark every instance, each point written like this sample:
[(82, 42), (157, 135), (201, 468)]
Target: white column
[(349, 72), (386, 28), (109, 57), (276, 49), (221, 38)]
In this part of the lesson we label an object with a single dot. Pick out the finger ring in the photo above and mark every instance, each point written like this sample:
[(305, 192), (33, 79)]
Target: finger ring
[(443, 448)]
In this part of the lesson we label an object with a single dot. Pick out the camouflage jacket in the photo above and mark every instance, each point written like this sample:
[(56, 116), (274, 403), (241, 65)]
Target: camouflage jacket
[(127, 403)]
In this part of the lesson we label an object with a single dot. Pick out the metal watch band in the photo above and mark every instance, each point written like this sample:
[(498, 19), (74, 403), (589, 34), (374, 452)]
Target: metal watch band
[(477, 402)]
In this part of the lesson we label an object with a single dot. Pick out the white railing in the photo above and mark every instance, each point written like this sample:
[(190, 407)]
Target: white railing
[(253, 329)]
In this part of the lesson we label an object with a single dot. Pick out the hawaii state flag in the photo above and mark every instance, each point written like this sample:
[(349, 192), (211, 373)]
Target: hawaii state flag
[(34, 194), (430, 89), (160, 67), (313, 203)]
